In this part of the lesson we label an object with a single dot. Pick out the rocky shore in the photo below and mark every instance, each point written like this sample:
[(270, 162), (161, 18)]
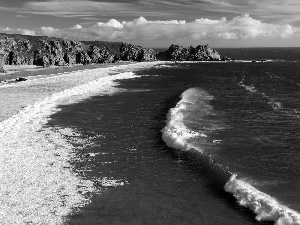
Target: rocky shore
[(16, 49), (199, 53)]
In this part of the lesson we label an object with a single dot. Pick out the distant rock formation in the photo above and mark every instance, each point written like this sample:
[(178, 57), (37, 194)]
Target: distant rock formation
[(16, 49), (179, 53)]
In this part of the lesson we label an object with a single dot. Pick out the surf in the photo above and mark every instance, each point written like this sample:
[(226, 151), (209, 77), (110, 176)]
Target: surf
[(178, 135), (38, 184)]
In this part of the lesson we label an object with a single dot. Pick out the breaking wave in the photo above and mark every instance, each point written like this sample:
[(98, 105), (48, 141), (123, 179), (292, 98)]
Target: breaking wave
[(177, 135)]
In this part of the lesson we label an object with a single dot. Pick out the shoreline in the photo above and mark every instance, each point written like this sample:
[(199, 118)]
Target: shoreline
[(38, 176), (13, 72)]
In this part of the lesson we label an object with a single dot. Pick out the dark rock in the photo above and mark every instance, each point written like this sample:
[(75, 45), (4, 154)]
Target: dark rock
[(2, 61), (83, 58), (45, 61), (70, 59), (16, 49), (99, 55), (2, 70), (19, 79), (179, 53), (116, 59), (226, 58), (131, 52)]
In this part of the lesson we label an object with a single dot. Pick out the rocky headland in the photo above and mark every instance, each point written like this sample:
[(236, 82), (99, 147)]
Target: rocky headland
[(16, 49), (199, 53)]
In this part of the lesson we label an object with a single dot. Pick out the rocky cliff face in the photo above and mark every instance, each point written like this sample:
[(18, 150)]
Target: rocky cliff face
[(18, 49), (179, 53)]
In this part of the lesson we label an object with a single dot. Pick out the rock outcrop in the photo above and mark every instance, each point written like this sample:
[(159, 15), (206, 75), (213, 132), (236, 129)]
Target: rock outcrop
[(131, 52), (16, 49), (99, 55), (2, 70), (179, 53), (2, 55)]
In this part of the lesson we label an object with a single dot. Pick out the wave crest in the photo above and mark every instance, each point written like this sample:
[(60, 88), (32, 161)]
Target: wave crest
[(177, 135), (263, 205)]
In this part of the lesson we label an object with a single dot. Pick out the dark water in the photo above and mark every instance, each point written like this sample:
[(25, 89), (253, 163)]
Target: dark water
[(282, 54), (250, 125)]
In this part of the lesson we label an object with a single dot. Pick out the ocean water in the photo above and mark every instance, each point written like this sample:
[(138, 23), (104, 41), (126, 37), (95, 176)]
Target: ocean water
[(155, 143)]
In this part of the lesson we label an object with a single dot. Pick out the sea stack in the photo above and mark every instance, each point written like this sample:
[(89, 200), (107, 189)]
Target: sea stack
[(199, 53)]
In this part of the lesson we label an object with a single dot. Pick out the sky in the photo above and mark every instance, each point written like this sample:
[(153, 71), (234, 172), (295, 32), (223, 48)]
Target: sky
[(154, 23)]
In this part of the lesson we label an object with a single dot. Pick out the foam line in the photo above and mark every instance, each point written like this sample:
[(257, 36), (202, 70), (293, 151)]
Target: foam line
[(264, 206), (178, 136), (276, 105), (38, 185), (175, 133)]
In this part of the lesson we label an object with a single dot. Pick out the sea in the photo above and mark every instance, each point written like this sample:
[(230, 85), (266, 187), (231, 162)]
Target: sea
[(172, 143)]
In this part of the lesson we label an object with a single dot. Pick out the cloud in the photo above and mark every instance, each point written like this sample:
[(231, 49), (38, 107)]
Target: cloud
[(85, 8), (240, 27), (27, 32), (111, 23), (19, 31), (272, 11), (49, 30), (77, 26), (138, 30)]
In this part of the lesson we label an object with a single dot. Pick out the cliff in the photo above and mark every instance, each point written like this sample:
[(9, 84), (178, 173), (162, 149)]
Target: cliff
[(44, 51), (16, 49), (199, 53)]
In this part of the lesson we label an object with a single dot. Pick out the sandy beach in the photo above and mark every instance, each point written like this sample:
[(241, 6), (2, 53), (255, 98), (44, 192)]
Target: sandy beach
[(38, 184), (13, 71)]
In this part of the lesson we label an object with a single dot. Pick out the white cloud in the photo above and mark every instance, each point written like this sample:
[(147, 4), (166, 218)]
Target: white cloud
[(9, 30), (6, 29), (27, 32), (111, 23), (49, 30), (83, 8), (77, 26), (138, 30), (208, 21)]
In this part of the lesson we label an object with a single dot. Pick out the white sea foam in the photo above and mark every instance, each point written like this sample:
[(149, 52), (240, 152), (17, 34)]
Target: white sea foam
[(264, 206), (38, 185), (175, 133), (249, 88), (111, 182), (276, 105), (178, 136)]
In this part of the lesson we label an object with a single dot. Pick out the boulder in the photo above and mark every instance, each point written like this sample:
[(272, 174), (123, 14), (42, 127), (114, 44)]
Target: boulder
[(19, 79)]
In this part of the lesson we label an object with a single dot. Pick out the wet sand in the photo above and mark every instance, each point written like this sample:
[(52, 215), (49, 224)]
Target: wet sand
[(13, 72)]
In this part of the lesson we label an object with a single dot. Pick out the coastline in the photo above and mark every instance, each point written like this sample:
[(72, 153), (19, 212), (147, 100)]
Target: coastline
[(13, 72), (37, 158)]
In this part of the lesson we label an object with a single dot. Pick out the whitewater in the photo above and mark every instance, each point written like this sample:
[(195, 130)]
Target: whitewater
[(178, 134), (38, 184)]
